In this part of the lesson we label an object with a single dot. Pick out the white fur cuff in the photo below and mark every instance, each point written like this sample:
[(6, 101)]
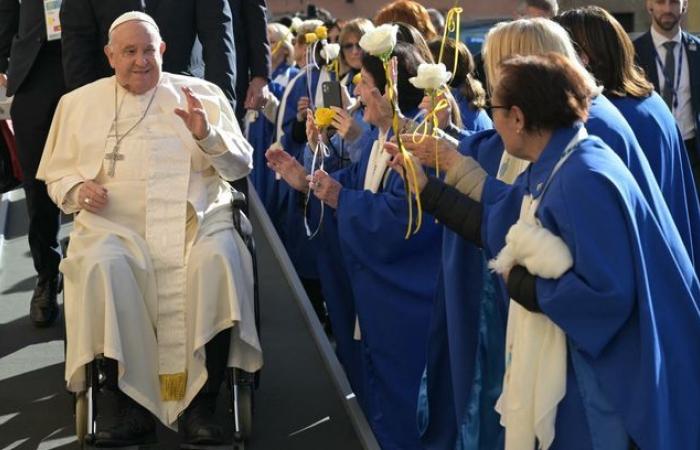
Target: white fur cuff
[(542, 253)]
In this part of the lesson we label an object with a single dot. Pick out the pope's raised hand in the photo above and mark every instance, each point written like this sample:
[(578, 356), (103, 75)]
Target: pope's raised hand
[(195, 117)]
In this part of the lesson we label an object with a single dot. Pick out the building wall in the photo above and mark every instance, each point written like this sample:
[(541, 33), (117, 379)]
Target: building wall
[(472, 9), (694, 17)]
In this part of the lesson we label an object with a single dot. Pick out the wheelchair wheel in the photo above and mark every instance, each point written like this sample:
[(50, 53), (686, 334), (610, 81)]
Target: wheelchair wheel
[(81, 417), (242, 402)]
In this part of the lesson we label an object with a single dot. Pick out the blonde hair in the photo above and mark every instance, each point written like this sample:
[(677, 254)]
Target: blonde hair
[(281, 33), (525, 37)]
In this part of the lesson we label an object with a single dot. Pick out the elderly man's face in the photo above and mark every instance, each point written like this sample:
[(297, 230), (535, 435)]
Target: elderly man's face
[(136, 55)]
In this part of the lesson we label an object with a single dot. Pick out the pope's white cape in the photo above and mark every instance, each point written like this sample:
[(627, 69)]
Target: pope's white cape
[(125, 286)]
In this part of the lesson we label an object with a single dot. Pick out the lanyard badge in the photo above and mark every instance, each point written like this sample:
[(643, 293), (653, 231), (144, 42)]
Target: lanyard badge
[(51, 17)]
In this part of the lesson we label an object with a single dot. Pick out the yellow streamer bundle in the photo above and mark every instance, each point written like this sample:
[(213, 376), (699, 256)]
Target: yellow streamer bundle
[(408, 161), (424, 129), (452, 25)]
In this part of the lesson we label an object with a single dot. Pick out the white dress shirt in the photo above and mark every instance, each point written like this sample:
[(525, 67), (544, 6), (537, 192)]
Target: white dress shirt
[(683, 112)]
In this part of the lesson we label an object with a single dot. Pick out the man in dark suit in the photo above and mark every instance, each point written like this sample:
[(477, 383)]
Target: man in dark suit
[(30, 57), (86, 23), (252, 53), (671, 59)]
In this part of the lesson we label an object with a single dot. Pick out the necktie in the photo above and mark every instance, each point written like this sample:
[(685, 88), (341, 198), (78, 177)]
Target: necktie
[(669, 74)]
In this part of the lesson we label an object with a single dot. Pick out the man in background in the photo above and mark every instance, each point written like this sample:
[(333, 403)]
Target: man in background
[(671, 59), (30, 66)]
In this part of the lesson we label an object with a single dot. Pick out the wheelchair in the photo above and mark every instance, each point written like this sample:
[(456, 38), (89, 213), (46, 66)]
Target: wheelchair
[(241, 384)]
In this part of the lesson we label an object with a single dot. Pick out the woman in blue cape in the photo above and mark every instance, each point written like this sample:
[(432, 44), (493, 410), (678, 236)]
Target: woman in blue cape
[(523, 36), (305, 93), (259, 126), (597, 356), (608, 53), (393, 278)]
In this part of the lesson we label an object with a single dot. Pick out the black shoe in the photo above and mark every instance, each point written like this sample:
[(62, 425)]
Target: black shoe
[(43, 309), (198, 424), (130, 424)]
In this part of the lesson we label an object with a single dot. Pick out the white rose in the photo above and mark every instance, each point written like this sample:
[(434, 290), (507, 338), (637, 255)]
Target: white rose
[(381, 40), (308, 26), (330, 51), (430, 76), (296, 23)]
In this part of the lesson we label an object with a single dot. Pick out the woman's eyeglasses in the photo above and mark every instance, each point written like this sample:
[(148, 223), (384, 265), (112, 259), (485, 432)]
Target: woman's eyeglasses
[(489, 105), (350, 46)]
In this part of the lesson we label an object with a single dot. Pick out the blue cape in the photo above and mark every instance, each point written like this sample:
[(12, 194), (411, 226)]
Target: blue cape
[(629, 346), (662, 143), (464, 367), (260, 136), (393, 282), (472, 119)]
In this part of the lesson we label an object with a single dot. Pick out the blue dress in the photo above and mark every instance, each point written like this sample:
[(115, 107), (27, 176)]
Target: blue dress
[(630, 372), (662, 143)]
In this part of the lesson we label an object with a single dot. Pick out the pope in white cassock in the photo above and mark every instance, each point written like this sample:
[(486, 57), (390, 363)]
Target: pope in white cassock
[(156, 278)]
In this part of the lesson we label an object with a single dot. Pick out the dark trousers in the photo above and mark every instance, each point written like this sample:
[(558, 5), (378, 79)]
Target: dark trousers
[(32, 111), (694, 155)]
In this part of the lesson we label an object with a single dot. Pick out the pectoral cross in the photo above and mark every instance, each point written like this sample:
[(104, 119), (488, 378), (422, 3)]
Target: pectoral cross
[(113, 158)]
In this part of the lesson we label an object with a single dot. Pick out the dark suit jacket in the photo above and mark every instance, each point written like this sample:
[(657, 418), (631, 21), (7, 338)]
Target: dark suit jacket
[(252, 46), (85, 24), (644, 47), (22, 34)]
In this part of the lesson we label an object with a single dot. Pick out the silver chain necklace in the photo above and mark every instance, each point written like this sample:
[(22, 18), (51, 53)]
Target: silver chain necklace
[(114, 155)]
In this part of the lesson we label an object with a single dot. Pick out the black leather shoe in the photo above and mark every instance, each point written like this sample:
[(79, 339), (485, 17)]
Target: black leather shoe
[(198, 424), (43, 309), (131, 425)]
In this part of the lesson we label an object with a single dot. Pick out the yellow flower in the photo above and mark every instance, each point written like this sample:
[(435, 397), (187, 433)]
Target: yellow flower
[(357, 78), (321, 32), (310, 38), (323, 117)]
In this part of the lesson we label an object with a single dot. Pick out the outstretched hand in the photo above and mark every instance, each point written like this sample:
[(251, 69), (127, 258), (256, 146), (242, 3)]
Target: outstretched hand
[(287, 167), (398, 164), (325, 188), (195, 117), (424, 149)]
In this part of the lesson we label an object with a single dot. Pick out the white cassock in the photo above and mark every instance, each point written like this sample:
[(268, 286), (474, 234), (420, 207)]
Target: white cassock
[(157, 273)]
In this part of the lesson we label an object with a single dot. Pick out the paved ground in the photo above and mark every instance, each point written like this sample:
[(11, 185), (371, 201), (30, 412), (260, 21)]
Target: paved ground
[(298, 388)]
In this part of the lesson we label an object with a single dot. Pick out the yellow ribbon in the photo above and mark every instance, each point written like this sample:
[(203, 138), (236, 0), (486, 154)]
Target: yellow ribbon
[(452, 25), (408, 162), (423, 129), (334, 66)]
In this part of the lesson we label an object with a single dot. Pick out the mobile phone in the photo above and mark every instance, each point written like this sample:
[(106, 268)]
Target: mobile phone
[(331, 94)]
